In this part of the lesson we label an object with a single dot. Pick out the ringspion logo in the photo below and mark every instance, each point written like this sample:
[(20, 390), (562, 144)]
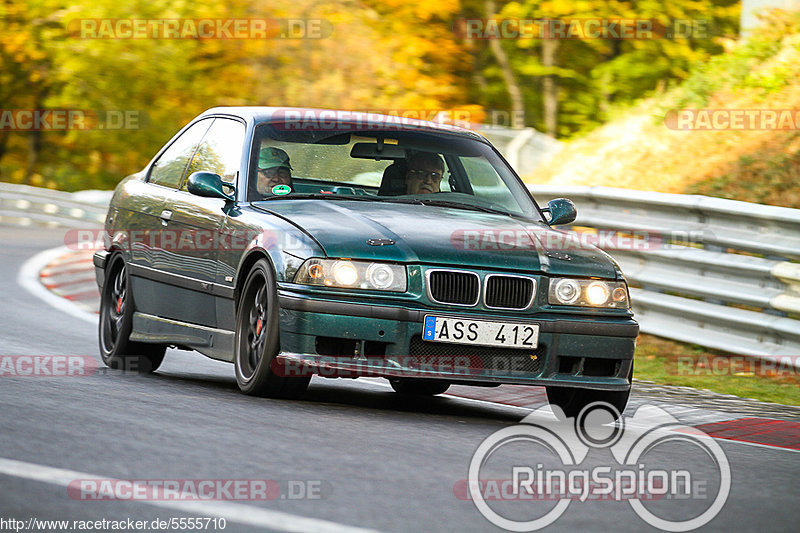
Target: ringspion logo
[(517, 472)]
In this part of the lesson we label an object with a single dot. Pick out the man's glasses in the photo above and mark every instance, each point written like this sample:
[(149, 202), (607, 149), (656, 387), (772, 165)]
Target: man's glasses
[(280, 172), (425, 175)]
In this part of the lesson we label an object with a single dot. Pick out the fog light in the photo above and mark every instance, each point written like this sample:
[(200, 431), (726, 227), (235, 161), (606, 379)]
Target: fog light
[(597, 293)]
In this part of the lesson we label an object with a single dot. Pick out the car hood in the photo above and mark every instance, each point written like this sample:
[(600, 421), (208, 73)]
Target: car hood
[(439, 236)]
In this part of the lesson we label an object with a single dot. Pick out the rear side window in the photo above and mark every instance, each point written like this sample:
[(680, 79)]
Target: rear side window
[(168, 169), (221, 150)]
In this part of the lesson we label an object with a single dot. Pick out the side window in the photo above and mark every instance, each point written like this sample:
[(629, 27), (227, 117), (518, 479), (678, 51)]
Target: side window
[(221, 150), (444, 185), (168, 169)]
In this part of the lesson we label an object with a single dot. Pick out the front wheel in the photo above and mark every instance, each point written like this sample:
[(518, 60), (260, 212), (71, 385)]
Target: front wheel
[(572, 401), (116, 323), (258, 339)]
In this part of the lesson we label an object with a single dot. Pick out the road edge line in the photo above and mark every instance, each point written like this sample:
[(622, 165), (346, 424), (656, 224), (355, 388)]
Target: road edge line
[(235, 512)]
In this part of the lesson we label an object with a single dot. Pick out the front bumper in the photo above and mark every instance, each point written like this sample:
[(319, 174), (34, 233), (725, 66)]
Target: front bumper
[(345, 339)]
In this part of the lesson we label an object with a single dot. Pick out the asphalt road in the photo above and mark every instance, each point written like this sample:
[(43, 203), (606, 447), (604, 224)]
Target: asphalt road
[(372, 458)]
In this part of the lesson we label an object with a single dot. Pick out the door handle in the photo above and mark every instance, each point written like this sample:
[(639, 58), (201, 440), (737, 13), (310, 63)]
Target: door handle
[(166, 216)]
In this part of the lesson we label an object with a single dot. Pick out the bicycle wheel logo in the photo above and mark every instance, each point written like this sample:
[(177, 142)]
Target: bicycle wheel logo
[(664, 494)]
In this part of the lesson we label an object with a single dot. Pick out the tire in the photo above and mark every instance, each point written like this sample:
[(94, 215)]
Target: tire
[(258, 339), (419, 387), (572, 401), (116, 322)]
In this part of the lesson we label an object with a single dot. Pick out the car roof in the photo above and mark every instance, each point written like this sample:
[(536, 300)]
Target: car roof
[(309, 116)]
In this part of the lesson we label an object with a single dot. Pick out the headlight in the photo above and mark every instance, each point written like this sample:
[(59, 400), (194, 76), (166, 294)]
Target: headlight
[(567, 291), (588, 293), (344, 273), (380, 276), (597, 293)]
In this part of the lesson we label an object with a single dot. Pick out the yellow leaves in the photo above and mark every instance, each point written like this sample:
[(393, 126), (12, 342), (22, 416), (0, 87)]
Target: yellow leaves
[(37, 180)]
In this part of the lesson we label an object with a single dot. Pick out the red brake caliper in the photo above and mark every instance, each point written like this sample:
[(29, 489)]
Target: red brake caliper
[(119, 304), (258, 327)]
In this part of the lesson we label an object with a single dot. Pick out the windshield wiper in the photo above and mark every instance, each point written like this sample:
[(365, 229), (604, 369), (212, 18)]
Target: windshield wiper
[(316, 195), (459, 205)]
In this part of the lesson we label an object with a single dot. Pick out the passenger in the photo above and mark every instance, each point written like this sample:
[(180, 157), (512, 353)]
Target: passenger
[(273, 169), (424, 174)]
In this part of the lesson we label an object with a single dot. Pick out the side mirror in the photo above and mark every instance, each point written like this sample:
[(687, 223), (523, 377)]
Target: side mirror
[(207, 185), (562, 211)]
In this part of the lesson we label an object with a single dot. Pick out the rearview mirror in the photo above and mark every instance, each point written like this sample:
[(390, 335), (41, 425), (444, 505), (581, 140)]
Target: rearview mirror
[(207, 185), (562, 211), (377, 151)]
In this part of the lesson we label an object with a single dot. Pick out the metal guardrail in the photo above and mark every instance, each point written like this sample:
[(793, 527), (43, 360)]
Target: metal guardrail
[(707, 292), (23, 205), (709, 271), (525, 149)]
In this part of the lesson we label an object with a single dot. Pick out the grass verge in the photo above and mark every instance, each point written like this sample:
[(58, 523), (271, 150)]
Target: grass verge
[(673, 363)]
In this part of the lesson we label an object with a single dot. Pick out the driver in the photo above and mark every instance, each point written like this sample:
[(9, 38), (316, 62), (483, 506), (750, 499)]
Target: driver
[(273, 169), (424, 174)]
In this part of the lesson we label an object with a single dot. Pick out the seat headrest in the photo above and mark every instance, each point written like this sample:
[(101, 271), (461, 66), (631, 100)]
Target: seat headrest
[(394, 179)]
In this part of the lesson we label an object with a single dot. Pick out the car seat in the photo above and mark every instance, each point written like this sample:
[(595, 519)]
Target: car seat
[(394, 179)]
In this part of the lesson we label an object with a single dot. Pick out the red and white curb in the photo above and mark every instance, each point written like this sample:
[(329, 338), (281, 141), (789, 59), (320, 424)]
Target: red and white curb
[(71, 276), (721, 425), (65, 279)]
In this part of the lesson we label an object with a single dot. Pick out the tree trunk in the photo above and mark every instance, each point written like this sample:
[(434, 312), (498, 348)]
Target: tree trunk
[(550, 87), (35, 138), (514, 92), (34, 149), (3, 143)]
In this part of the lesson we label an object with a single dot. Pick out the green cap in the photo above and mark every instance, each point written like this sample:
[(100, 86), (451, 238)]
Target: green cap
[(271, 157)]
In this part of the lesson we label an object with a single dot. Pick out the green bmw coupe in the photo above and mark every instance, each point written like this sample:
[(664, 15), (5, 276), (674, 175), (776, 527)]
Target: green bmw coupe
[(292, 242)]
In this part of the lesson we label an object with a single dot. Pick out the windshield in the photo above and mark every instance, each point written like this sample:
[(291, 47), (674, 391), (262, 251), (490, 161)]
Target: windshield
[(386, 166)]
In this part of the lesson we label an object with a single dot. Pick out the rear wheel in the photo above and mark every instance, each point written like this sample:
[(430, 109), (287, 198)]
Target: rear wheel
[(258, 339), (419, 387), (116, 323), (572, 401)]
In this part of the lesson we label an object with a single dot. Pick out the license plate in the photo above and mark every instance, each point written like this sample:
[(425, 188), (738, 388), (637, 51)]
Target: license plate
[(480, 332)]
